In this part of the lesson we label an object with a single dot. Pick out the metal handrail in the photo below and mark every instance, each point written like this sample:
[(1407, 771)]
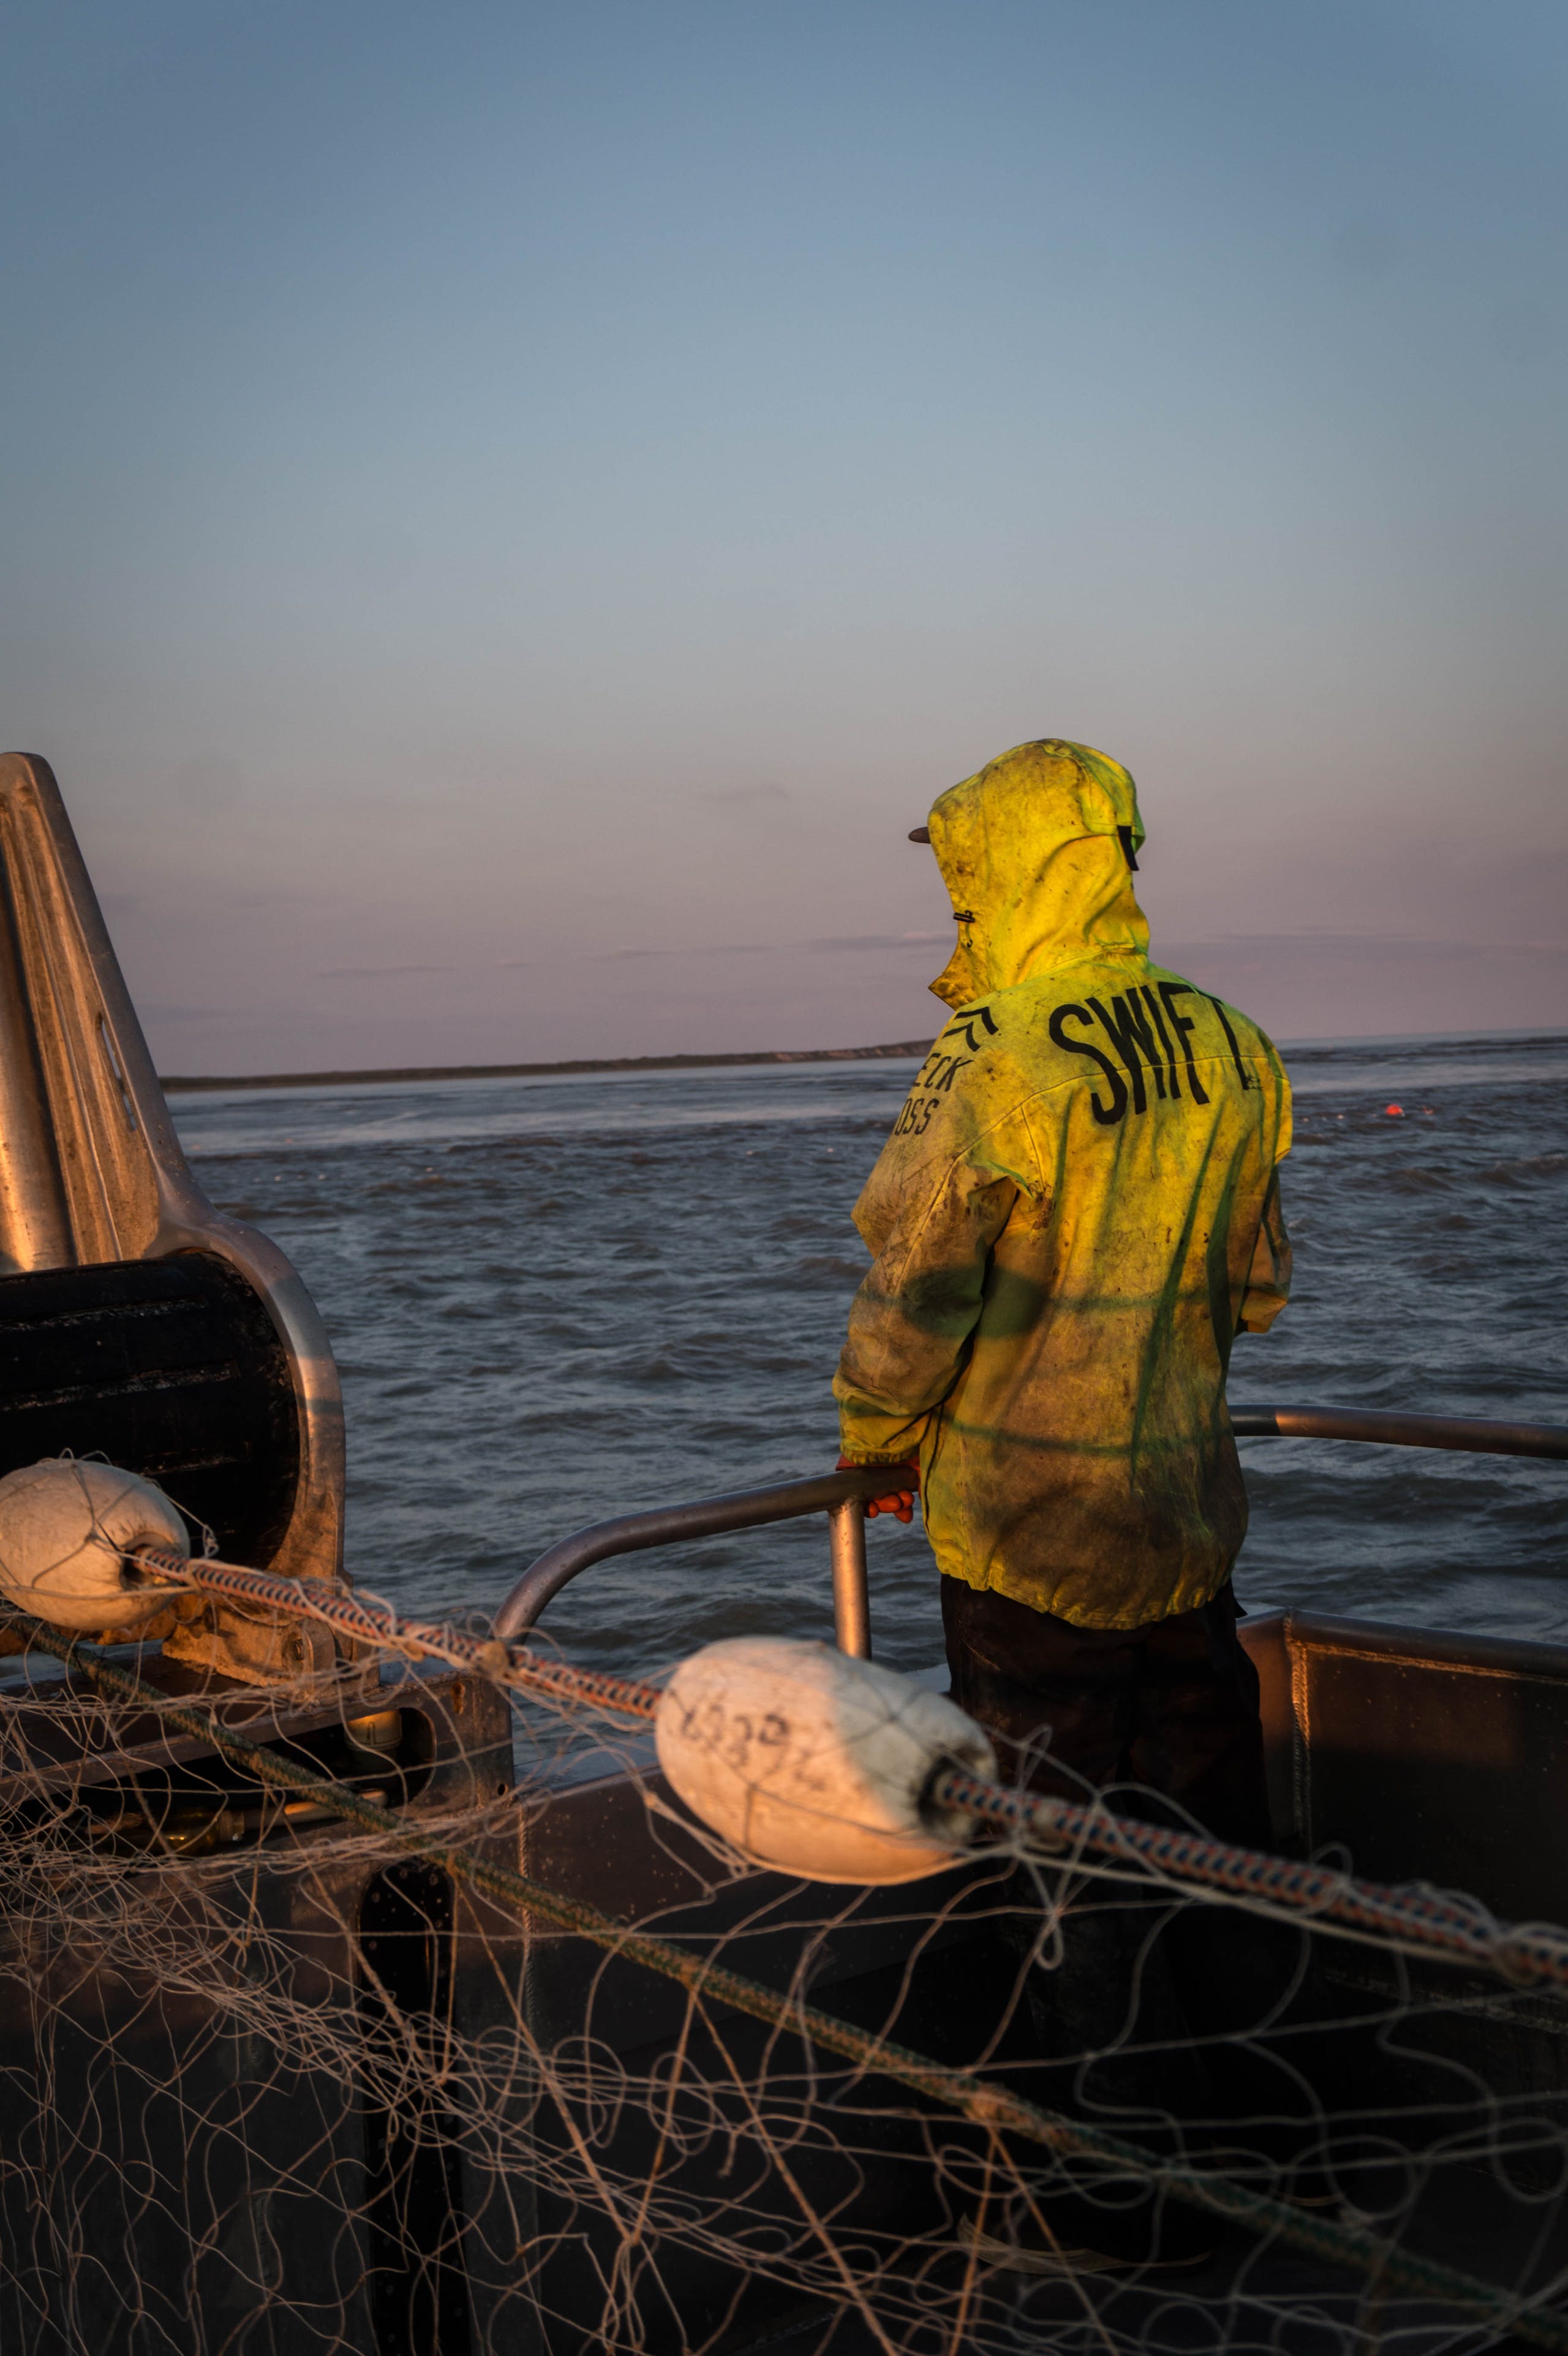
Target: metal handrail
[(842, 1496), (1476, 1434)]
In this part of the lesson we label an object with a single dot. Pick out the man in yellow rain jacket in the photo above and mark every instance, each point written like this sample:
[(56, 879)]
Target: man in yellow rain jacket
[(1076, 1211)]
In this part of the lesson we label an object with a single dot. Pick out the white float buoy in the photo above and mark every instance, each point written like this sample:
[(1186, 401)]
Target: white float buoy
[(815, 1763), (65, 1525)]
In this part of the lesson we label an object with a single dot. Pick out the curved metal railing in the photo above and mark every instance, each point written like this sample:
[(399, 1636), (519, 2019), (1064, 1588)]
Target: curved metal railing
[(842, 1496), (1478, 1434)]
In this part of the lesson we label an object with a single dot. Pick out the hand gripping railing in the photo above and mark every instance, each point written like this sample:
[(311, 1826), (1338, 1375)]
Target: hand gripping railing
[(842, 1496)]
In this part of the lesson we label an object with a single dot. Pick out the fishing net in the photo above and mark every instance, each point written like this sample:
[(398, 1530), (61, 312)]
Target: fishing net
[(406, 2010)]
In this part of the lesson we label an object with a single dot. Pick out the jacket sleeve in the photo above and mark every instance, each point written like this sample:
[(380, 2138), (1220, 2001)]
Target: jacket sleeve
[(911, 1322), (1267, 1287)]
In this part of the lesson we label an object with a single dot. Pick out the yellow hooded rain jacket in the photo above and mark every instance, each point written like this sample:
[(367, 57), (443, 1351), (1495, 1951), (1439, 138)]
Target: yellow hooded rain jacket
[(1076, 1211)]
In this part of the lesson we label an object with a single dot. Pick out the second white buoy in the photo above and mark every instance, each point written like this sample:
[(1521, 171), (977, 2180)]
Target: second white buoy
[(815, 1763)]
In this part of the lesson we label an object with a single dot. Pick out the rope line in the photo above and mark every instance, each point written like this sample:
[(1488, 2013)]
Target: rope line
[(339, 1608), (1524, 1954), (1350, 2246)]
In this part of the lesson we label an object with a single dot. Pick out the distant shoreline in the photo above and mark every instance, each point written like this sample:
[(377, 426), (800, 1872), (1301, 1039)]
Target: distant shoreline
[(187, 1085)]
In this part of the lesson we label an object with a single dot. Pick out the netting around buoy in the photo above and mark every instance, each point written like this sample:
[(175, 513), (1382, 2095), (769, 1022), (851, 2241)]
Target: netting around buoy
[(410, 2009)]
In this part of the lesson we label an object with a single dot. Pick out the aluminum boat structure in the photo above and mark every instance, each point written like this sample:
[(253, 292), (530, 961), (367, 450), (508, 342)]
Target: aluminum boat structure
[(181, 2167)]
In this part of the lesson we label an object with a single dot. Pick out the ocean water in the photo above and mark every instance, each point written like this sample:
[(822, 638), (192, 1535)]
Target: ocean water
[(555, 1300)]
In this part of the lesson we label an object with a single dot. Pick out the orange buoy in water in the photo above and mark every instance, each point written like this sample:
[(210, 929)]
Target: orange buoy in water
[(1394, 1112)]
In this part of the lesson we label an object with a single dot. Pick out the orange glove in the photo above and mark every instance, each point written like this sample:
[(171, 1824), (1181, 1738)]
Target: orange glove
[(899, 1501)]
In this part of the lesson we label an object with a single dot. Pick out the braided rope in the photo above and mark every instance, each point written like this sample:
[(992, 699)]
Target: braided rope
[(1332, 2241), (1525, 1954), (378, 1623), (1528, 1955)]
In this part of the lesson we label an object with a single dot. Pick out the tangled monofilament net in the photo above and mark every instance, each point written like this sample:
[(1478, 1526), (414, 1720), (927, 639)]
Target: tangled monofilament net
[(416, 2016)]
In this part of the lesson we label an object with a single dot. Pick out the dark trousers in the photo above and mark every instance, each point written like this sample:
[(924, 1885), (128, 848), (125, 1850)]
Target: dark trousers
[(1135, 2001), (1172, 1706)]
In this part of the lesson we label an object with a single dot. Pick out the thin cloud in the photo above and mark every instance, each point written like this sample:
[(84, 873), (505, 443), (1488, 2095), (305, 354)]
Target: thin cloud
[(378, 972), (880, 941), (743, 797), (707, 949), (785, 948), (1377, 947)]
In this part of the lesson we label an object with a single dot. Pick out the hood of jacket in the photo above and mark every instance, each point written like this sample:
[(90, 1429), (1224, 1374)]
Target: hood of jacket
[(1032, 850)]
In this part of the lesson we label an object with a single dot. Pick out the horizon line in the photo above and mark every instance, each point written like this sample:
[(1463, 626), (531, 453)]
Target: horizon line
[(191, 1084), (538, 1071)]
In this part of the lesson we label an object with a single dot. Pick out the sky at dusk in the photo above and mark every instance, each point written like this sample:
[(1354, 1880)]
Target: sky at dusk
[(511, 513)]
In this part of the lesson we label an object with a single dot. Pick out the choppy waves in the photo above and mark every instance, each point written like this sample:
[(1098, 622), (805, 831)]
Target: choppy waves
[(557, 1299)]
